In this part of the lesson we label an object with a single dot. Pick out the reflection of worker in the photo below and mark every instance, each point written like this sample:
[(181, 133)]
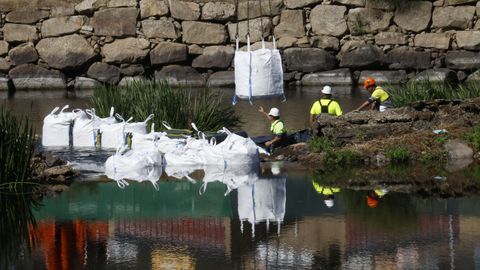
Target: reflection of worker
[(277, 127), (323, 107), (373, 196), (327, 192), (379, 99)]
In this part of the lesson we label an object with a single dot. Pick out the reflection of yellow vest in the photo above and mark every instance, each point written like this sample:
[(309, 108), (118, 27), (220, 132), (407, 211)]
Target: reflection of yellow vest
[(324, 190), (380, 192)]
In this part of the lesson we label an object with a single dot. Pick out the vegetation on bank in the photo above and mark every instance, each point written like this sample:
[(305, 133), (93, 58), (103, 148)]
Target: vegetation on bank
[(178, 107), (335, 155)]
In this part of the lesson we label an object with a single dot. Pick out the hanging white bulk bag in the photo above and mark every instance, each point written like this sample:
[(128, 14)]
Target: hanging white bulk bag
[(114, 135), (86, 128), (259, 73), (57, 127)]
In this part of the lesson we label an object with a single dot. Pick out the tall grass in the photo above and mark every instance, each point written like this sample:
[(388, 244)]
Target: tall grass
[(179, 107), (412, 91)]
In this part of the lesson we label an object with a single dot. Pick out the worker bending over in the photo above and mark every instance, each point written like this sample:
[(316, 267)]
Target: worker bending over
[(277, 128), (379, 100)]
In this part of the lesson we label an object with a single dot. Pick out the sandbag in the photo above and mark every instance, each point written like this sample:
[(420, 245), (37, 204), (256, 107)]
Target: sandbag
[(115, 135), (86, 128), (57, 127), (259, 73), (191, 154)]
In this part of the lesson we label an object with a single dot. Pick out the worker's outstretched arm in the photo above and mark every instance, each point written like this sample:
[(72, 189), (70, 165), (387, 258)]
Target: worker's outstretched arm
[(260, 109), (365, 104), (275, 139)]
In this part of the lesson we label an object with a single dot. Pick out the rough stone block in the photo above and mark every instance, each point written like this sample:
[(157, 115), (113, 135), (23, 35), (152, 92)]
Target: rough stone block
[(19, 33), (294, 4), (60, 26), (67, 52), (414, 16), (335, 77), (214, 57), (368, 20), (259, 27), (115, 22), (23, 54), (185, 11), (168, 52), (5, 65), (203, 33), (128, 50), (464, 60), (180, 76), (85, 83), (325, 42), (469, 40), (159, 29), (433, 40), (390, 38), (440, 75), (222, 79), (291, 24), (354, 3), (363, 57), (308, 59), (104, 73), (385, 76), (3, 48), (474, 77), (150, 8), (407, 58), (328, 20), (26, 16), (453, 17), (33, 77), (380, 4), (218, 11), (121, 3), (258, 8)]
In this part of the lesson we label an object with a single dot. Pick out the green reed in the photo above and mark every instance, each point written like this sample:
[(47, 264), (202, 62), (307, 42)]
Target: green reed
[(178, 107)]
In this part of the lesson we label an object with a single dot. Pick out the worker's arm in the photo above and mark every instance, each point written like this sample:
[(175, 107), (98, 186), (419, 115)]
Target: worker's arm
[(338, 110), (312, 119), (365, 104), (372, 106), (275, 139), (260, 109)]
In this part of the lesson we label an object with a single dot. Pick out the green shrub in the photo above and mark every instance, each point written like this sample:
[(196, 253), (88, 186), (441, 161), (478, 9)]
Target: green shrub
[(321, 144), (343, 157), (179, 107), (398, 154), (474, 136)]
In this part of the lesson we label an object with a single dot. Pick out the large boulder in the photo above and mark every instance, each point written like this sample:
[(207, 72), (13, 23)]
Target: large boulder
[(463, 60), (328, 20), (363, 57), (353, 3), (308, 59), (168, 52), (88, 6), (291, 24), (115, 22), (439, 75), (67, 52), (61, 11), (121, 3), (368, 20), (453, 17), (469, 40), (334, 77), (458, 149), (183, 76), (381, 4), (104, 73), (407, 58), (33, 77), (4, 82), (293, 4), (85, 83), (159, 29), (60, 26), (5, 65), (390, 38), (218, 11), (150, 8), (222, 79), (132, 70), (214, 57), (203, 33), (414, 15), (128, 50), (323, 42), (433, 40), (185, 11), (23, 54), (259, 27), (19, 33), (474, 77), (4, 46), (26, 16), (385, 76), (250, 9)]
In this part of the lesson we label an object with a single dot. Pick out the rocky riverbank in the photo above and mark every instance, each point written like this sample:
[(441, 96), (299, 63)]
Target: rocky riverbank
[(53, 173)]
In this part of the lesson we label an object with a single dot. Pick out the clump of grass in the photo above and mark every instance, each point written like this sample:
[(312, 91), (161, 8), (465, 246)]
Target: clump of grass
[(321, 144), (398, 154), (179, 107), (474, 136), (413, 91), (334, 155)]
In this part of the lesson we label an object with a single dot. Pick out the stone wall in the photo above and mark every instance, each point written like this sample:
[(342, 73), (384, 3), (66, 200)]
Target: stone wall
[(73, 44)]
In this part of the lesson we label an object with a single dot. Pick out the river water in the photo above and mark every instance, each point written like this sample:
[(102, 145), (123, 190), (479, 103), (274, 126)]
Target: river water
[(278, 216)]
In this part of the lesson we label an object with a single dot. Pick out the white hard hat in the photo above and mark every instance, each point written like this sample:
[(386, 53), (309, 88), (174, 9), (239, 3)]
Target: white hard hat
[(329, 203), (327, 90), (274, 112)]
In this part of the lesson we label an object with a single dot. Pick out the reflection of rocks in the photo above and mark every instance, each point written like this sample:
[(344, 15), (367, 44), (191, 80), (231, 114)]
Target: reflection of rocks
[(49, 169)]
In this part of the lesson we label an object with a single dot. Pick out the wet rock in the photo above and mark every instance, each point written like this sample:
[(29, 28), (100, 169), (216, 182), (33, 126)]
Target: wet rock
[(332, 77), (469, 40), (325, 42), (433, 40), (368, 20), (4, 81), (59, 174), (203, 33), (180, 76), (185, 11), (115, 22), (258, 8), (32, 77), (291, 24), (67, 52), (440, 75), (56, 189), (385, 76), (328, 20), (390, 38), (125, 81), (128, 50), (221, 79), (5, 65), (86, 83), (308, 59), (3, 48), (23, 54), (458, 149), (474, 77), (62, 26), (464, 60), (407, 58), (453, 17), (260, 27), (19, 33), (159, 29), (218, 11), (214, 57), (132, 70), (414, 15), (455, 165), (122, 3), (150, 8), (293, 4), (168, 52), (26, 16), (104, 72), (363, 57), (354, 3)]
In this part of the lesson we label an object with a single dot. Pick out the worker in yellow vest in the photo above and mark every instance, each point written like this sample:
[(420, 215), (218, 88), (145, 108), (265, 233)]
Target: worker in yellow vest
[(324, 107), (277, 127), (379, 100)]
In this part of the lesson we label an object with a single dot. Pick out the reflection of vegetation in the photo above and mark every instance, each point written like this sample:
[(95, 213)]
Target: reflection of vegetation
[(335, 177), (179, 107), (426, 90), (398, 154), (334, 155), (474, 173), (474, 136)]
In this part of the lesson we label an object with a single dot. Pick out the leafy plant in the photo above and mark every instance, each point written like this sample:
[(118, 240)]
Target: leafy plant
[(398, 154), (321, 144)]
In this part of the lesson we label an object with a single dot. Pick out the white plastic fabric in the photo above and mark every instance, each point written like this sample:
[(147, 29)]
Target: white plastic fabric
[(146, 141), (191, 154), (259, 73), (114, 135), (56, 130), (86, 127), (232, 177)]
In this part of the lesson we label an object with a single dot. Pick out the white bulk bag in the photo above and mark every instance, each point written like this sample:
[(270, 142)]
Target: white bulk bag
[(146, 141), (86, 127), (165, 144), (56, 130), (114, 135), (259, 73)]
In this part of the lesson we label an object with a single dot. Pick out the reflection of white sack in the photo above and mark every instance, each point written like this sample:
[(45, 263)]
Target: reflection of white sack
[(263, 200), (120, 251), (258, 73), (181, 172), (234, 150), (86, 126), (232, 177), (114, 135), (57, 127)]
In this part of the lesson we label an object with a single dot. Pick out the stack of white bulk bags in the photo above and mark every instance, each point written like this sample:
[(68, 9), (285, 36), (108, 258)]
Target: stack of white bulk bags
[(57, 127), (86, 128), (114, 135)]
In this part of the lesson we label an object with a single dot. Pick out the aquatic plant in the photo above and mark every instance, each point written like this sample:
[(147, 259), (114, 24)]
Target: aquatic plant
[(179, 107), (412, 91), (398, 154)]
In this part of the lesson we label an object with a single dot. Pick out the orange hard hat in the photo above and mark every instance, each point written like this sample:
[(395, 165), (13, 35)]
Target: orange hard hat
[(369, 81), (372, 201)]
